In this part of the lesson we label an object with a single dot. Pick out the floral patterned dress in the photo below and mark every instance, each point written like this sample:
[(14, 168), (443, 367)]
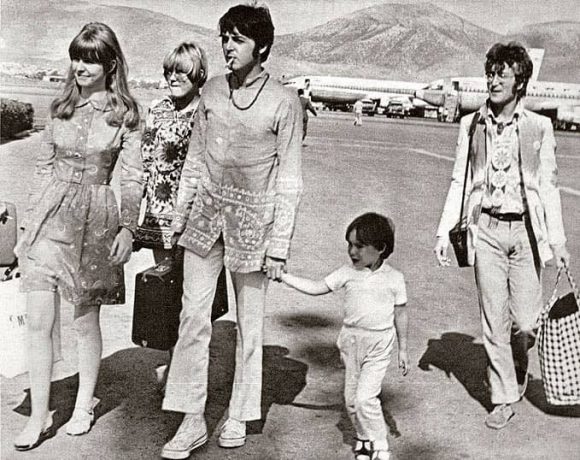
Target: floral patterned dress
[(73, 218), (163, 149)]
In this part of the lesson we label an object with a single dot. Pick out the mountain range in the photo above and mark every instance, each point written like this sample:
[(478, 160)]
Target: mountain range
[(415, 41)]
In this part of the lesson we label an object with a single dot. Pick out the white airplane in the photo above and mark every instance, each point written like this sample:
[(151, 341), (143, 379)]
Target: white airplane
[(342, 91), (460, 95)]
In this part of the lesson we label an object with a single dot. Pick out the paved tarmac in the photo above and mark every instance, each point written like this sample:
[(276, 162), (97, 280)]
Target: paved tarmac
[(400, 168)]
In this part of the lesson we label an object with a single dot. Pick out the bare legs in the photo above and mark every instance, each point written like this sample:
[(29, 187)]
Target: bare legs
[(90, 348), (41, 310)]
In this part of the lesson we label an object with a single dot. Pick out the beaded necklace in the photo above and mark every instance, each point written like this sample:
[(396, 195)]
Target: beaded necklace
[(253, 100)]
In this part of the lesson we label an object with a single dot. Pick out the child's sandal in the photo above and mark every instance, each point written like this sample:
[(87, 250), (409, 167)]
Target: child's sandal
[(362, 449)]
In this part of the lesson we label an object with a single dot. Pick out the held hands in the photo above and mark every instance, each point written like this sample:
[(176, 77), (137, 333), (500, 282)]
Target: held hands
[(273, 268), (404, 363), (440, 251), (122, 247)]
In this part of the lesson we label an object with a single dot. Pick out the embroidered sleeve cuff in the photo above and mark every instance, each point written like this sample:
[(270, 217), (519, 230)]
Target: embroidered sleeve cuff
[(278, 249)]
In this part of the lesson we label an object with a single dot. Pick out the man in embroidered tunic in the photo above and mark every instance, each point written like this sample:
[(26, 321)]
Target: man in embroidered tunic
[(236, 206), (514, 219)]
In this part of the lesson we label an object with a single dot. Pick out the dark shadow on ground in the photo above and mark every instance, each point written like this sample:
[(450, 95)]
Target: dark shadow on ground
[(283, 378), (127, 382), (323, 355), (424, 451), (328, 356), (457, 355), (535, 394), (310, 321), (347, 429)]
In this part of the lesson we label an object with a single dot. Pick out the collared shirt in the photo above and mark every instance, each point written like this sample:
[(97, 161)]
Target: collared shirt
[(370, 296), (504, 186), (242, 175)]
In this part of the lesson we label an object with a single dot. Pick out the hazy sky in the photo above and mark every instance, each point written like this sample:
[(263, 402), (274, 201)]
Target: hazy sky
[(292, 15)]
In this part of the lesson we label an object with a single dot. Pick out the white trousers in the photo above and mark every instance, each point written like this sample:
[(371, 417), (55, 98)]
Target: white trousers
[(366, 356), (510, 294), (187, 381)]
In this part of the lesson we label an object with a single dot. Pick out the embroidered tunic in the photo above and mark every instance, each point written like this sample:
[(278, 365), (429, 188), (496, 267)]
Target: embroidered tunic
[(242, 176), (163, 148), (72, 217)]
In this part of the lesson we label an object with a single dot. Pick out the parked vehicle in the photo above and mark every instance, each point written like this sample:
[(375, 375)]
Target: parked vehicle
[(396, 109), (369, 107)]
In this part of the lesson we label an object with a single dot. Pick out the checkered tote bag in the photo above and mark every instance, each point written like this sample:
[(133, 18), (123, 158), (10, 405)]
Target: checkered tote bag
[(559, 345)]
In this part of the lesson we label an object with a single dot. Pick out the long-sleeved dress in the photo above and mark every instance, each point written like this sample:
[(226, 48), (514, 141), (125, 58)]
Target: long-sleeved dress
[(73, 217), (163, 148)]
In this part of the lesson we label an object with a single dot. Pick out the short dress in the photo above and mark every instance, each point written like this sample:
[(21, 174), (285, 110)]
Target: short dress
[(163, 148), (73, 217)]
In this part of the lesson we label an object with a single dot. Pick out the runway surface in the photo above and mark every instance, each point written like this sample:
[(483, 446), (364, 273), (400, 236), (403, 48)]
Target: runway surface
[(399, 168)]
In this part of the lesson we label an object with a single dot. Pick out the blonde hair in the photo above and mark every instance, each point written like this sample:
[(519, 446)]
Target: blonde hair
[(190, 59)]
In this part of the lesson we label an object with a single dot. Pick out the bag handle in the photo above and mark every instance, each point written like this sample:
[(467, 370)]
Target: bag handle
[(546, 310), (469, 153)]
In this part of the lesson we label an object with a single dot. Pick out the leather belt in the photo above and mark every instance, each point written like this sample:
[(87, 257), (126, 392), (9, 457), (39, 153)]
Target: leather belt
[(504, 217)]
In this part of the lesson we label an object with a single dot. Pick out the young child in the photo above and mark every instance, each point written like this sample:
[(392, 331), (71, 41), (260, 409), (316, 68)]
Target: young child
[(374, 309)]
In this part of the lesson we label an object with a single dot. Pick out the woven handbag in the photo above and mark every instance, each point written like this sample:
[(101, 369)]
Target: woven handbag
[(559, 345)]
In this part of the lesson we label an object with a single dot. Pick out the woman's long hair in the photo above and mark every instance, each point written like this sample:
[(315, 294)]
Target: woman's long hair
[(97, 43)]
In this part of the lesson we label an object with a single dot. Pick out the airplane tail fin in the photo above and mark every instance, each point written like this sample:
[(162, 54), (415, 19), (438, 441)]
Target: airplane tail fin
[(537, 56)]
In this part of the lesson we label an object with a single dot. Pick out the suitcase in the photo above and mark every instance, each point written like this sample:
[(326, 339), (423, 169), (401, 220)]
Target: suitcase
[(157, 305), (7, 233)]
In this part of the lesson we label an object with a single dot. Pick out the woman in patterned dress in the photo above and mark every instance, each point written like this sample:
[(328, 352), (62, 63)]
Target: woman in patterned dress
[(75, 241), (163, 148), (164, 145)]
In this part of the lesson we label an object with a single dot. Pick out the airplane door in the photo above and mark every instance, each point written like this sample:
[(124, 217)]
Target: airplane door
[(451, 104)]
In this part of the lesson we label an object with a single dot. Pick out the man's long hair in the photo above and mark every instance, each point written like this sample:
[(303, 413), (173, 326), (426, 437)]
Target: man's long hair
[(510, 54), (252, 21)]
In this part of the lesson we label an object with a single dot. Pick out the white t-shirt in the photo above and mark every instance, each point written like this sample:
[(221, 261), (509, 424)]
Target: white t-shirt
[(370, 297)]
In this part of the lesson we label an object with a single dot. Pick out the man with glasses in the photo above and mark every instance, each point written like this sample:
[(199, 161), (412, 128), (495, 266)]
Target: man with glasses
[(514, 219)]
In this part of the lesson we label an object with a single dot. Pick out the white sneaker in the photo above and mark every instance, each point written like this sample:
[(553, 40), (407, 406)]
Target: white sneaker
[(232, 434), (191, 434)]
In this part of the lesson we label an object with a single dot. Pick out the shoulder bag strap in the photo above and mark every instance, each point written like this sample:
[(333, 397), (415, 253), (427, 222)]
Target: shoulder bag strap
[(472, 128)]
